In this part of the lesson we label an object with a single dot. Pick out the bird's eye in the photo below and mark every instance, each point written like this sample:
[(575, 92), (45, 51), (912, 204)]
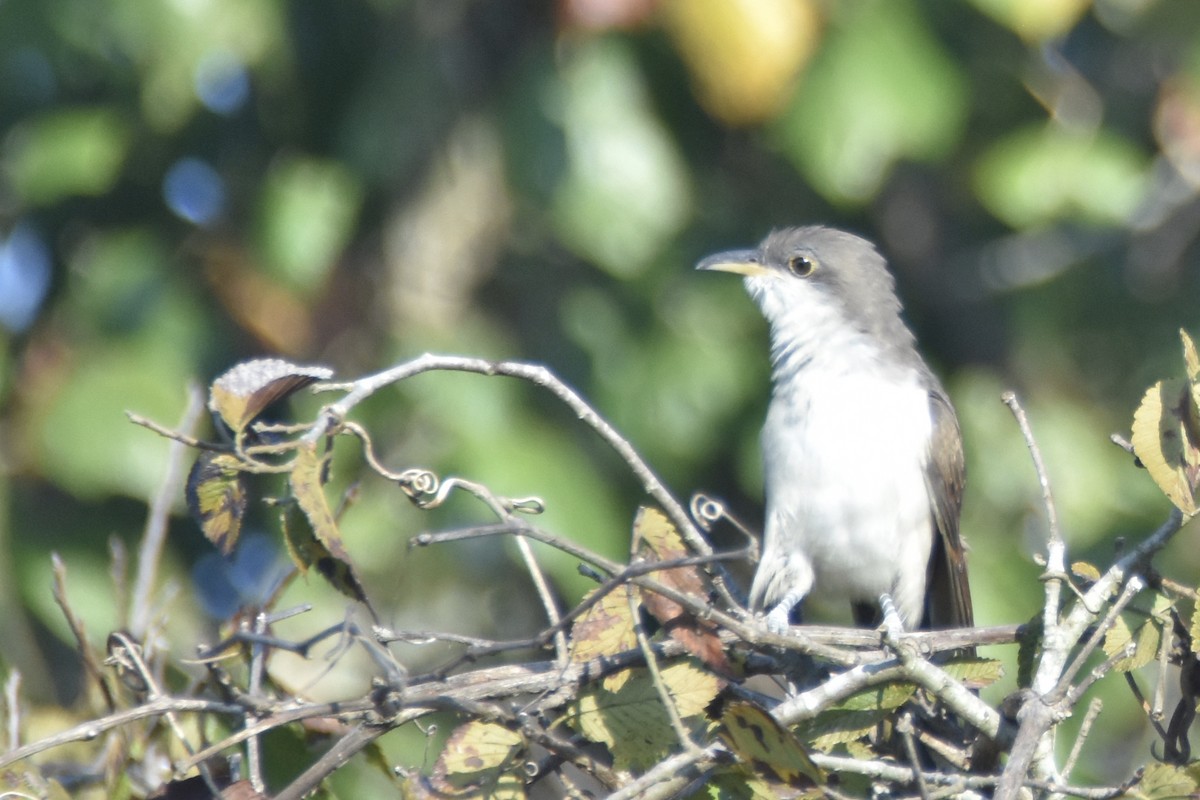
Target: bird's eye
[(801, 266)]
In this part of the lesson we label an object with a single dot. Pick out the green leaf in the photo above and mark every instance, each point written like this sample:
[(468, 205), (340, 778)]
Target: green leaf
[(67, 152), (881, 89), (1142, 644), (1164, 782), (626, 192), (308, 480), (975, 672), (633, 723), (309, 210), (856, 716), (319, 542), (1046, 172)]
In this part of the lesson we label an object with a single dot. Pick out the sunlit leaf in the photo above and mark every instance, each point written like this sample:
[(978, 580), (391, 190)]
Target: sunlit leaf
[(244, 391), (1164, 782), (216, 497), (764, 745), (975, 673), (313, 537), (1035, 20), (478, 762), (1167, 443), (856, 716), (67, 152), (762, 47), (605, 629), (1191, 359)]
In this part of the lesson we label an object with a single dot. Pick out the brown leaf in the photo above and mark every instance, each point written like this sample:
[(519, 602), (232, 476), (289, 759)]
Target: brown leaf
[(662, 542)]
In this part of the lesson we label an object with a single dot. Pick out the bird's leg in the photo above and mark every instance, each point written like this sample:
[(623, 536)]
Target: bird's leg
[(779, 617), (892, 621)]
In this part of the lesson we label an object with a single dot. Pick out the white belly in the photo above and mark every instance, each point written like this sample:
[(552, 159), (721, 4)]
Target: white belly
[(848, 514)]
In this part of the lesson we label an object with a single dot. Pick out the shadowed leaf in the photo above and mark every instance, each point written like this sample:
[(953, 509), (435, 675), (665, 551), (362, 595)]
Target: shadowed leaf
[(216, 497), (307, 551), (766, 747), (633, 723), (307, 481)]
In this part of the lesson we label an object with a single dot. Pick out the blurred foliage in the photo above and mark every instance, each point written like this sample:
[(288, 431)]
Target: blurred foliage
[(184, 185)]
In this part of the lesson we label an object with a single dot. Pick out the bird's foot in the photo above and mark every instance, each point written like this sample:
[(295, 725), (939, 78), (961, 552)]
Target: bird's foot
[(779, 618)]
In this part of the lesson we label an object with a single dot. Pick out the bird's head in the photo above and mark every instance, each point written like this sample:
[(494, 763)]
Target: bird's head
[(805, 279)]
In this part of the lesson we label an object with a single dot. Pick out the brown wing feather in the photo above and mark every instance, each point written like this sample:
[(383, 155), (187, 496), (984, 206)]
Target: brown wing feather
[(948, 592)]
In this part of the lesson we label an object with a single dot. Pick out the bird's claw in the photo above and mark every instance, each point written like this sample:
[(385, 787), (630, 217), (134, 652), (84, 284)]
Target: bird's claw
[(777, 620)]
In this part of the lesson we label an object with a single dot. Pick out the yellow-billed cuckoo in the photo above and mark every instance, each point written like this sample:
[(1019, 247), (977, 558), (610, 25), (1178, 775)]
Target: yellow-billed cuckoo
[(862, 452)]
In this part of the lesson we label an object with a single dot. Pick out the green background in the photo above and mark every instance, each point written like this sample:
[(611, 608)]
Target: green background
[(187, 184)]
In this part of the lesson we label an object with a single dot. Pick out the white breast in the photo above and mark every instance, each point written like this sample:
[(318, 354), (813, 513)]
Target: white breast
[(844, 447)]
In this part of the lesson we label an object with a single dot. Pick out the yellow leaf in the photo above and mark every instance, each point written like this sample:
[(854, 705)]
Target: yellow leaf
[(633, 723), (1191, 359), (1165, 441), (1083, 569), (479, 762), (1164, 782), (1036, 20), (216, 497), (975, 672), (1195, 629), (769, 749), (605, 629), (744, 55), (307, 481)]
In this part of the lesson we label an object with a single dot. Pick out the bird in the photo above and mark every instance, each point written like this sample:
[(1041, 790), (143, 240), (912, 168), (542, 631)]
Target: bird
[(863, 463)]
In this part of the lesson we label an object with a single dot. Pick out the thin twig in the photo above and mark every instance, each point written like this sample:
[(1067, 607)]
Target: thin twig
[(12, 708), (1085, 728), (539, 376), (155, 533)]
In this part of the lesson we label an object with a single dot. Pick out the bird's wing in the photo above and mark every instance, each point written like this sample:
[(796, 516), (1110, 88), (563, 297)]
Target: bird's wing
[(948, 593)]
